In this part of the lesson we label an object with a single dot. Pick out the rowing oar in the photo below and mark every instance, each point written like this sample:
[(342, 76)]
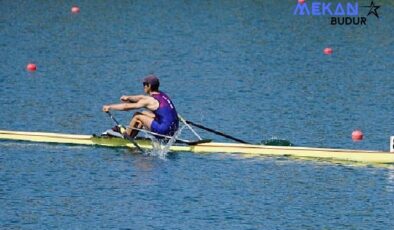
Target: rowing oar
[(216, 132), (126, 136)]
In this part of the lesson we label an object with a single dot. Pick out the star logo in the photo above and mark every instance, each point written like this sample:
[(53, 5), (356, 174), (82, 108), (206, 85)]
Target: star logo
[(373, 9)]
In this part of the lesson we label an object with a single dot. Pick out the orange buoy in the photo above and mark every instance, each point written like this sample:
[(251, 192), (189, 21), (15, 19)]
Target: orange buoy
[(31, 67), (357, 135), (75, 10), (328, 51)]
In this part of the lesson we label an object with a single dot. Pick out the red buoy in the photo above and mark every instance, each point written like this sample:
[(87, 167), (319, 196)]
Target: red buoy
[(301, 1), (31, 67), (328, 51), (75, 10), (357, 135)]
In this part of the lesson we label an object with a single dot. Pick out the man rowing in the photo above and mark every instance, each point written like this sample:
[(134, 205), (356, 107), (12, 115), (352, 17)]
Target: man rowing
[(160, 117)]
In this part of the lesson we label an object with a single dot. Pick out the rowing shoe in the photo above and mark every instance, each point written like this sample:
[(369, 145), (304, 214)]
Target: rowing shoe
[(127, 137)]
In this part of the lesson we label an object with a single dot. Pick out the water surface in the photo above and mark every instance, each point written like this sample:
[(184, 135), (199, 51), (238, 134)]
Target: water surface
[(249, 68)]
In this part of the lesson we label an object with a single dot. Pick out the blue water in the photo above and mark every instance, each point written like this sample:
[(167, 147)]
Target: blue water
[(249, 68)]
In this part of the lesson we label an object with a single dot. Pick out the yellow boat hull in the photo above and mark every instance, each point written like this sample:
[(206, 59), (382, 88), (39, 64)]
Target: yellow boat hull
[(361, 156)]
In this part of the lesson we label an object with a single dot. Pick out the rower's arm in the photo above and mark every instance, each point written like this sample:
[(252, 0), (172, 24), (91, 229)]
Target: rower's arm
[(145, 102), (132, 98)]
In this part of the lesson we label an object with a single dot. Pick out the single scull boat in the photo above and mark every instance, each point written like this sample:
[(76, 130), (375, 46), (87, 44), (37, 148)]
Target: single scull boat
[(361, 156)]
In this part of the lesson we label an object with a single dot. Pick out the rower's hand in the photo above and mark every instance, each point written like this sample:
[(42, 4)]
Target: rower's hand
[(106, 108), (124, 98)]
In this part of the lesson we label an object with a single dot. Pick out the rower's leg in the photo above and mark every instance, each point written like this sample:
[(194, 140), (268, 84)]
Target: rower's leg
[(148, 113), (133, 132), (139, 120), (134, 123), (145, 120)]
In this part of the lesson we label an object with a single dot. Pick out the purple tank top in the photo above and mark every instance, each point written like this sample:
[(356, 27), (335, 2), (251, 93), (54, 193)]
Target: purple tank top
[(166, 113)]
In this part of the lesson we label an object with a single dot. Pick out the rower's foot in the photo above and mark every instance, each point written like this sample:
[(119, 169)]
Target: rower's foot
[(119, 128), (126, 136)]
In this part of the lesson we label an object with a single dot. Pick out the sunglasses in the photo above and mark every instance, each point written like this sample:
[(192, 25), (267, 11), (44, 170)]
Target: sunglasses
[(145, 84)]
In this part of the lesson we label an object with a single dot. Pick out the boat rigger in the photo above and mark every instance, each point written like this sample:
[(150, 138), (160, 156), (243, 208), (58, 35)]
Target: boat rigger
[(361, 156)]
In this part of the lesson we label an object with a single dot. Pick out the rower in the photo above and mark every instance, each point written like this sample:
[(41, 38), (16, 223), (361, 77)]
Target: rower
[(160, 115)]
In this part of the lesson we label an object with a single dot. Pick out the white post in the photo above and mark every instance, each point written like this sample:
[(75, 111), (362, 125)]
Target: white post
[(392, 144)]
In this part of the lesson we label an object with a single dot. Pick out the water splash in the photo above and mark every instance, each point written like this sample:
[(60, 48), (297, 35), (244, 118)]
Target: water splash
[(161, 147)]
